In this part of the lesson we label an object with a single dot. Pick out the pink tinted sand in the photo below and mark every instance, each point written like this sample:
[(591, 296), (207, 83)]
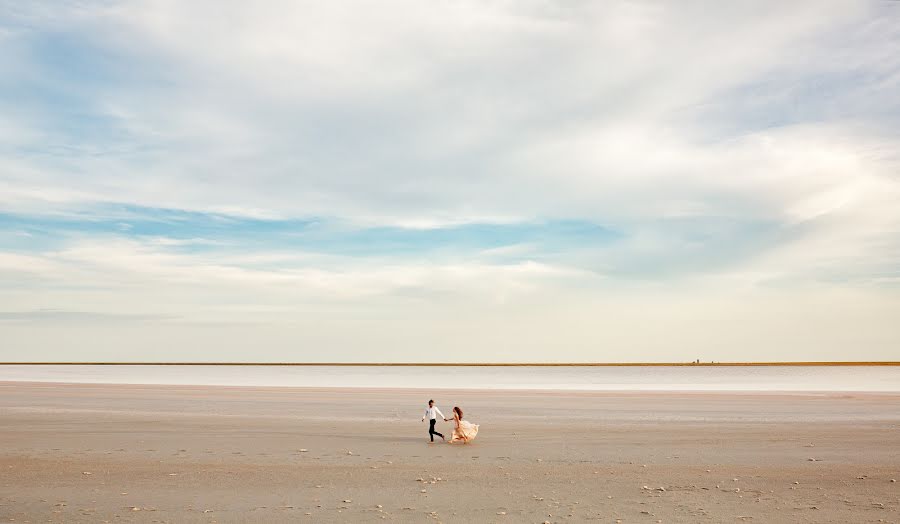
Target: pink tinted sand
[(94, 453)]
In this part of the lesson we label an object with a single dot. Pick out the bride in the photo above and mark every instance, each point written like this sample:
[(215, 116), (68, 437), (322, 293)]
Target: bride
[(465, 430)]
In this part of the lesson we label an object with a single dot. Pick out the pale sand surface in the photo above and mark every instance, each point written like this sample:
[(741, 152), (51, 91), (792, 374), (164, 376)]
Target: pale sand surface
[(92, 453)]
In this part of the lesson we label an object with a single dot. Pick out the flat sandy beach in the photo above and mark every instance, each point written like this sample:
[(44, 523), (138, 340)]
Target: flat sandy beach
[(126, 453)]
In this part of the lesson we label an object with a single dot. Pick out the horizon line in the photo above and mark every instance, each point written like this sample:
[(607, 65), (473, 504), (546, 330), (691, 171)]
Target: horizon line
[(467, 364)]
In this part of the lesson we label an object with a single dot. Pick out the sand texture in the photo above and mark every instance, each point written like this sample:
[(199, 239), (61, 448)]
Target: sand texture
[(116, 453)]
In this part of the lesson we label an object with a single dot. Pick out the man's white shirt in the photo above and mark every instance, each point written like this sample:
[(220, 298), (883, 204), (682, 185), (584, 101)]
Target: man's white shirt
[(432, 413)]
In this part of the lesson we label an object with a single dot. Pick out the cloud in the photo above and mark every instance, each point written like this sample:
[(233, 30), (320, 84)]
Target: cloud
[(210, 158), (53, 315), (430, 117)]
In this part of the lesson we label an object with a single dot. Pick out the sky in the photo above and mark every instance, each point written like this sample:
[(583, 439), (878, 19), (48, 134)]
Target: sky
[(450, 181)]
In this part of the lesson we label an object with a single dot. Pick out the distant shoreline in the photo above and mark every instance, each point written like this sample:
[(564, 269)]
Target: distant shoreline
[(461, 364)]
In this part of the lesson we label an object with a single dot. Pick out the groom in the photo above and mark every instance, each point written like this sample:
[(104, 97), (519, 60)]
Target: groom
[(432, 413)]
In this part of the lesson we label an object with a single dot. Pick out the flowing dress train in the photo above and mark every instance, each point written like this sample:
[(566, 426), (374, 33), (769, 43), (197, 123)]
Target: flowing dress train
[(465, 430)]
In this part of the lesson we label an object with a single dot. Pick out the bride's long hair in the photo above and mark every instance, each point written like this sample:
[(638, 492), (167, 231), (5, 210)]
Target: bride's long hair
[(458, 412)]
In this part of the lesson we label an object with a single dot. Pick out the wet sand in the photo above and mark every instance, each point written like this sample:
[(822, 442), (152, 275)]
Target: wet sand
[(126, 453)]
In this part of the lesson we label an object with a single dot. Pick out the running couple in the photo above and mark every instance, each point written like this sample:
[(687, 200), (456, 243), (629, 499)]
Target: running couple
[(464, 431)]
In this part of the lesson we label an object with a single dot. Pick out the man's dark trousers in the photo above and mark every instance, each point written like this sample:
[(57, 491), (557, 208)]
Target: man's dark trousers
[(432, 432)]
